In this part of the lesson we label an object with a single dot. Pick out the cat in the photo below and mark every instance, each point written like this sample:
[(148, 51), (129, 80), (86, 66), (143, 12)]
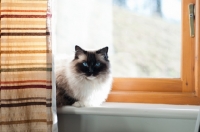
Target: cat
[(85, 80)]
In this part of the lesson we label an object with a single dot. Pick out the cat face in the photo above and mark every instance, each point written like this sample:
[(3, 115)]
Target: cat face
[(91, 63)]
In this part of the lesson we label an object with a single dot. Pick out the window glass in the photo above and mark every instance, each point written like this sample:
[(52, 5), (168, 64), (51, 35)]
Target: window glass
[(144, 36)]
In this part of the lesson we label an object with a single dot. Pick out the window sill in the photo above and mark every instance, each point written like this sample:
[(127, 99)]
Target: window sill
[(128, 117), (136, 109)]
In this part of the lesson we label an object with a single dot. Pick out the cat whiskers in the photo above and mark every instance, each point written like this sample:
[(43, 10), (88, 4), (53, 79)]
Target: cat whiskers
[(80, 77), (105, 72)]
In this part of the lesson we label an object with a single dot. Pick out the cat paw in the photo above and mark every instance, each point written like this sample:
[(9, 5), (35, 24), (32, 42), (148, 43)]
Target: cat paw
[(78, 104)]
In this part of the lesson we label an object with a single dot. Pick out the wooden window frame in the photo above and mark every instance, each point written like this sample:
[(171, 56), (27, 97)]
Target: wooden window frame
[(185, 90)]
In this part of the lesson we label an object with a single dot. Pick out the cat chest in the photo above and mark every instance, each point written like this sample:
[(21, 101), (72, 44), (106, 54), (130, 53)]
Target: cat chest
[(89, 90)]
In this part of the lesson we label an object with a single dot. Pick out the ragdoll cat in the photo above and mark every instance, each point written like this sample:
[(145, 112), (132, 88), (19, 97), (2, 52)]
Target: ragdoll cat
[(85, 80)]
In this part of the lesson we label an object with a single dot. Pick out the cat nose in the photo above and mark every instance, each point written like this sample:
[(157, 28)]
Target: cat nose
[(90, 70)]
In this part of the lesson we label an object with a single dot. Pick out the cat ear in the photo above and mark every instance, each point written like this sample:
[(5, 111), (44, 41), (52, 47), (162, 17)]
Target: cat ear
[(103, 52), (77, 48), (78, 51)]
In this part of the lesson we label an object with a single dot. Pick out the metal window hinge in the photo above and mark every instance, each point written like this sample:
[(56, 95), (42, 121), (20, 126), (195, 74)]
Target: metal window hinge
[(191, 19)]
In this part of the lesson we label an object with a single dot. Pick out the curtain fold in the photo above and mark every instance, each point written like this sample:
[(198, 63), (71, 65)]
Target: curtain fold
[(25, 67)]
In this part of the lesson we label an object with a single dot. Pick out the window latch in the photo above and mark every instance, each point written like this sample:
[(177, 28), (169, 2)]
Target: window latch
[(191, 19)]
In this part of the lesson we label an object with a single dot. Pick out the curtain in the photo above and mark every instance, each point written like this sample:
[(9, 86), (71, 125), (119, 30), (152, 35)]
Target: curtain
[(25, 67)]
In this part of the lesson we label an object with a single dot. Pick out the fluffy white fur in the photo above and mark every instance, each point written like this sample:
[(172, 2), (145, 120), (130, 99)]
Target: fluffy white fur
[(90, 91)]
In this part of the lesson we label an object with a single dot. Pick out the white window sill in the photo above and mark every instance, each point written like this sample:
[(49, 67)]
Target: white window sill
[(128, 117), (136, 109)]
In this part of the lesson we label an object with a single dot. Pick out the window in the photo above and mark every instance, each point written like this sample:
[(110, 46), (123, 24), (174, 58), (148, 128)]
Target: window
[(179, 88)]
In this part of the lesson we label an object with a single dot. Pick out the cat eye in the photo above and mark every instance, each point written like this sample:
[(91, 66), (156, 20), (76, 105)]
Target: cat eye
[(98, 64), (85, 64)]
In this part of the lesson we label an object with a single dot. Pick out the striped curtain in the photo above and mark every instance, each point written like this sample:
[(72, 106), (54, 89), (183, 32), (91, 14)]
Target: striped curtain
[(25, 67)]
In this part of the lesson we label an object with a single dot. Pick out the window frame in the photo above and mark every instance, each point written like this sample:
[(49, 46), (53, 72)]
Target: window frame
[(183, 90)]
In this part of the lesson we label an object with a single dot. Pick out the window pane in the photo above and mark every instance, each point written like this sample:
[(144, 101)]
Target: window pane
[(144, 36)]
